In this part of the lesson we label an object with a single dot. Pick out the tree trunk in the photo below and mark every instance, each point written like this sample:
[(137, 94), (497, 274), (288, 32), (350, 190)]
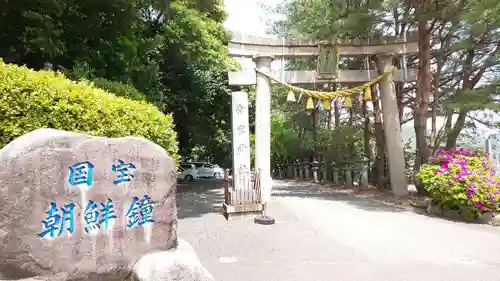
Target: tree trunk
[(400, 96), (423, 90), (336, 111), (434, 117), (449, 120), (329, 120), (330, 115), (380, 172), (452, 135), (366, 131), (467, 84), (314, 120), (351, 147)]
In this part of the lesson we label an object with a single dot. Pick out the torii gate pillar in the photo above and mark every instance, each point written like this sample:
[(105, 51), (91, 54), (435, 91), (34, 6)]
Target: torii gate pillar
[(263, 125), (392, 127)]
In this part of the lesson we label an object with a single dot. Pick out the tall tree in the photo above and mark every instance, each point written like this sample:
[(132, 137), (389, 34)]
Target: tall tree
[(458, 58), (174, 51)]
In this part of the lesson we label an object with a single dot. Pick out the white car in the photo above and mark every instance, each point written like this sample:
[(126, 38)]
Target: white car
[(187, 172), (207, 170)]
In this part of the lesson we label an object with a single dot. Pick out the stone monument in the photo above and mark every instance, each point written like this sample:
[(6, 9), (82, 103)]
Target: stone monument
[(492, 148), (78, 207), (241, 137)]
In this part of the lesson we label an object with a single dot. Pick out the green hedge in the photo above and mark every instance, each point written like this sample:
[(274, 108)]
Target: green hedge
[(119, 89), (31, 100)]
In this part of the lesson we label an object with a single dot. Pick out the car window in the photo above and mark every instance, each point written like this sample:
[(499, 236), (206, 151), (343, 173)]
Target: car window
[(208, 165), (187, 166), (198, 165)]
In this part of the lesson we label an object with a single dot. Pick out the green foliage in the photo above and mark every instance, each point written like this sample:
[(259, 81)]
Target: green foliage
[(174, 52), (45, 99), (196, 37), (297, 134), (194, 67), (285, 141), (252, 148), (326, 19), (101, 33), (119, 89), (461, 179), (344, 143)]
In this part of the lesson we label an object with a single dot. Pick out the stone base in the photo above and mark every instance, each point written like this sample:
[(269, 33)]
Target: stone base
[(243, 209), (465, 216), (434, 209), (264, 220), (495, 221), (452, 214), (487, 218), (180, 264)]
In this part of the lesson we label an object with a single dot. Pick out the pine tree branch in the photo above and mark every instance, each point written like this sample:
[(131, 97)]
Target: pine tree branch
[(489, 62), (479, 121)]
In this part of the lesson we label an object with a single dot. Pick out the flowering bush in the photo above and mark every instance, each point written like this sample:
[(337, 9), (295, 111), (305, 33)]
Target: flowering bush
[(461, 179)]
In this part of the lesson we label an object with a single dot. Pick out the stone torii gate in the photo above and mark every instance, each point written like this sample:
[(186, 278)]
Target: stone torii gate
[(264, 50)]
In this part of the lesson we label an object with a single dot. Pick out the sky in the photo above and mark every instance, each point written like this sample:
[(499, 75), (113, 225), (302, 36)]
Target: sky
[(247, 16)]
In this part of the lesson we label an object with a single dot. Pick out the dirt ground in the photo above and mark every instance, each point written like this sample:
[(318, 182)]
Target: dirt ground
[(414, 202)]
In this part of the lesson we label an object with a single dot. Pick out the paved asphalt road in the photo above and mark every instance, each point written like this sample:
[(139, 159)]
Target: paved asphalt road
[(320, 235)]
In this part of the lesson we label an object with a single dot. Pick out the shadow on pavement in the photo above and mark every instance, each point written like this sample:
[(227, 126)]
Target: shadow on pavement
[(200, 197), (206, 196), (323, 193)]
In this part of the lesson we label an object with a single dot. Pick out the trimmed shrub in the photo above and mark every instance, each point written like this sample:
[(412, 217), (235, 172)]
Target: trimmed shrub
[(119, 89), (461, 179), (31, 100)]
